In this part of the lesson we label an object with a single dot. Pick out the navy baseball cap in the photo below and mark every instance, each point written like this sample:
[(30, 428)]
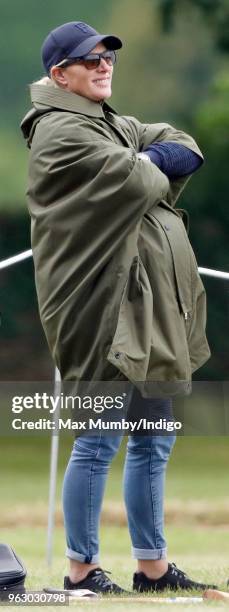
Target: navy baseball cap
[(73, 39)]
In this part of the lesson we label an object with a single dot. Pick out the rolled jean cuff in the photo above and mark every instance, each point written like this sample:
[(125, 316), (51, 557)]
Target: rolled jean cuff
[(148, 553), (72, 554)]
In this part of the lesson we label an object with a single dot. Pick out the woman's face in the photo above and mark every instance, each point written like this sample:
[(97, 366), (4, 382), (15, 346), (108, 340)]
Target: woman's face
[(93, 84)]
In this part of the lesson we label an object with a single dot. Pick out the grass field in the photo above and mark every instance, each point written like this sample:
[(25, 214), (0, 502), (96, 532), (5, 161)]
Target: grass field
[(197, 502), (196, 550)]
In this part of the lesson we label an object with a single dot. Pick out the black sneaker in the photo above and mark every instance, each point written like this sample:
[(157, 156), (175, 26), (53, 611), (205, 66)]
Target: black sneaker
[(173, 579), (96, 580)]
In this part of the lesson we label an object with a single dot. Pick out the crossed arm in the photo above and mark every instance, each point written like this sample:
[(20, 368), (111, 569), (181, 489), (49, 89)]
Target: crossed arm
[(173, 159)]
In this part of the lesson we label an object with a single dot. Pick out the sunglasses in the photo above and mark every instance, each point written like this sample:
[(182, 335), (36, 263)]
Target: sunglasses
[(91, 61)]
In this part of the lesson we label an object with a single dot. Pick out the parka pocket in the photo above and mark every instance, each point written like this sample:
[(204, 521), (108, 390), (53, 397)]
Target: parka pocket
[(187, 322), (181, 256), (132, 290), (130, 349)]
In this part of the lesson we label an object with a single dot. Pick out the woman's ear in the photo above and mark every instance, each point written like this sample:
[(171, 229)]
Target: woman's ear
[(57, 74)]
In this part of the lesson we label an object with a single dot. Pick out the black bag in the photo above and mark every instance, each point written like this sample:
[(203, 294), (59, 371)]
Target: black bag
[(12, 572)]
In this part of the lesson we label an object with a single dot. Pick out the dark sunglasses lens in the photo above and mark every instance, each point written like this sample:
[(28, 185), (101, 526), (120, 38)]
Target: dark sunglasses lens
[(110, 57), (92, 63)]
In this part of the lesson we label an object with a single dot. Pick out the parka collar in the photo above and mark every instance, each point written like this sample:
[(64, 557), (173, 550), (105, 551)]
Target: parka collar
[(50, 96)]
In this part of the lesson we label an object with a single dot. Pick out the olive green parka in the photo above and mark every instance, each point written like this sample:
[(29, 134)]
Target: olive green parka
[(118, 287)]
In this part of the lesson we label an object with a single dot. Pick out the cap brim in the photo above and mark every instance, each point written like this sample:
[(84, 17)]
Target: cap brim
[(111, 42)]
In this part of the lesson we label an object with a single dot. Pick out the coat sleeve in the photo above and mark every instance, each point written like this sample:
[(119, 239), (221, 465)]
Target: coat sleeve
[(163, 132), (86, 193)]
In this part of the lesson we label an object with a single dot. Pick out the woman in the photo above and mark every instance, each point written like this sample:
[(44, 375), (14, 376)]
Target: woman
[(119, 294)]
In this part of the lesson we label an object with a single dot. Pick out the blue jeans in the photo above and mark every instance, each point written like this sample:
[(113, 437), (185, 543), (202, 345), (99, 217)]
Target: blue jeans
[(144, 474)]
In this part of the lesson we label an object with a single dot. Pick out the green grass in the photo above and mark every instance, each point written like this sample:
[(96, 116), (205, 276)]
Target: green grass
[(197, 551), (198, 470)]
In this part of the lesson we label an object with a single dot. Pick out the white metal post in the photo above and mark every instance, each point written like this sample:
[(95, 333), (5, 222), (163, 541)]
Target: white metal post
[(53, 472)]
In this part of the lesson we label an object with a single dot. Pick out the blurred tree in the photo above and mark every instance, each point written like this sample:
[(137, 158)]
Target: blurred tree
[(168, 73), (207, 200), (215, 11)]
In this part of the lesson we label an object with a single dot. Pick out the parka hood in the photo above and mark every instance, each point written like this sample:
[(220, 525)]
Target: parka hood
[(29, 122), (46, 96)]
